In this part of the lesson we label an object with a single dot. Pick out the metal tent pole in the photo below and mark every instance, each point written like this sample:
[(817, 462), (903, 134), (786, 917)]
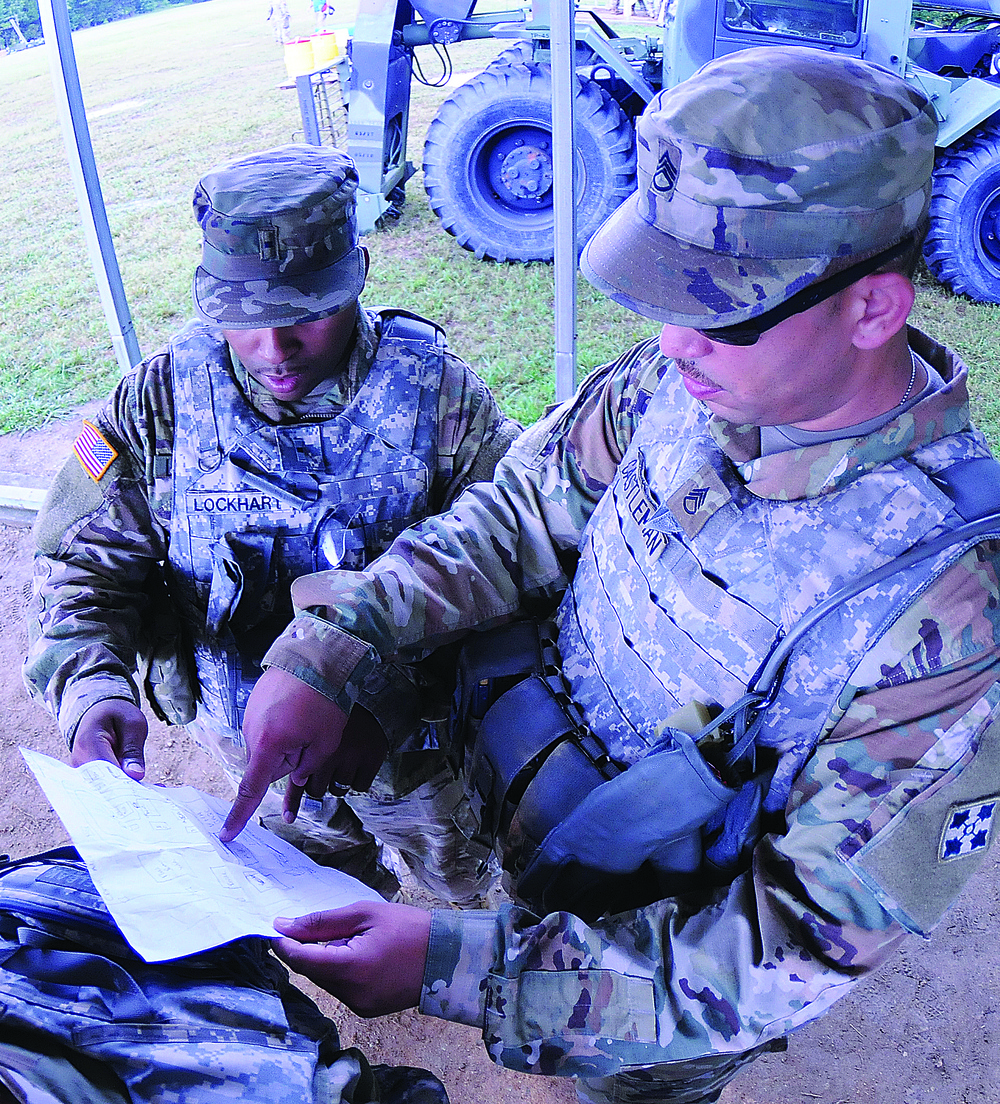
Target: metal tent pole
[(87, 185), (563, 46)]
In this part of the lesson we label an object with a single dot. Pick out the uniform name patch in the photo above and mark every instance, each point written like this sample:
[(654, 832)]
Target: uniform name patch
[(235, 502), (94, 452), (967, 829), (640, 503)]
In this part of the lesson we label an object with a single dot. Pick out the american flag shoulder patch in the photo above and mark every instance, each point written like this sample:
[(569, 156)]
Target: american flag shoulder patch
[(94, 452)]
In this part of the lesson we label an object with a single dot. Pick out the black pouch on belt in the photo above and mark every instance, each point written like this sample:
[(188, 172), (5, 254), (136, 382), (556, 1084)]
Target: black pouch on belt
[(512, 711), (575, 830)]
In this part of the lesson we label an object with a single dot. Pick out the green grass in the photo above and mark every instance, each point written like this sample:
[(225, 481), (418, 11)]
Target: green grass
[(172, 93), (971, 329), (168, 95)]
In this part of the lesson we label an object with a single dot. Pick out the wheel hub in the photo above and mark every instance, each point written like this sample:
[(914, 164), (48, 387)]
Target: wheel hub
[(526, 172), (989, 228), (519, 168)]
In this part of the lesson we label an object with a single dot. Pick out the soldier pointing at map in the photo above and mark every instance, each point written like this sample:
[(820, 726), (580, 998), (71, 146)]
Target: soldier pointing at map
[(288, 430), (768, 606)]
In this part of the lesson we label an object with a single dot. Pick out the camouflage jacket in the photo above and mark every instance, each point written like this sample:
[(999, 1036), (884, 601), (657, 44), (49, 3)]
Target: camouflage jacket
[(102, 611), (884, 822)]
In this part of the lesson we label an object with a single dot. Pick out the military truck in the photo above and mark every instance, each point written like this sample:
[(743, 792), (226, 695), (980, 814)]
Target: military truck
[(488, 152)]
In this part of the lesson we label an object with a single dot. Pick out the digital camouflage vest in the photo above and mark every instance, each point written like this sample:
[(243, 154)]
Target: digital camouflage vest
[(255, 504), (686, 579)]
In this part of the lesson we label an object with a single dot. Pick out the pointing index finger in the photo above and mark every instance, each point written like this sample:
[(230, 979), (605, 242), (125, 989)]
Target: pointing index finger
[(250, 794)]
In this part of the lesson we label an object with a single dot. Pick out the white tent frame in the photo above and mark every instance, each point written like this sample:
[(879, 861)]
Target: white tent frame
[(86, 183)]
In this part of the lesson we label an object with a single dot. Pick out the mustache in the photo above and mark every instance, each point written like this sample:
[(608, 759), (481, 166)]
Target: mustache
[(689, 368)]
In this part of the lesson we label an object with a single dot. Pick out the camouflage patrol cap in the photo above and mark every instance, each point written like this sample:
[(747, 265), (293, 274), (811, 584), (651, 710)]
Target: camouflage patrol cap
[(754, 174), (280, 238)]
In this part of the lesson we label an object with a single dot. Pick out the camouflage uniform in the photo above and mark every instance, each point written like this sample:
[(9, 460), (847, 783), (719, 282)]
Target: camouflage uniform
[(679, 552), (100, 541), (86, 1021), (674, 981), (198, 495)]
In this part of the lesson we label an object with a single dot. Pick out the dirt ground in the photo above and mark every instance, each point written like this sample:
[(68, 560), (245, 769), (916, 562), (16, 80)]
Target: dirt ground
[(925, 1029)]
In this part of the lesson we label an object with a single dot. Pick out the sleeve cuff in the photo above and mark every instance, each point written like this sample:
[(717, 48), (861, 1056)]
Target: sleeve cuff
[(77, 700), (324, 657), (460, 957)]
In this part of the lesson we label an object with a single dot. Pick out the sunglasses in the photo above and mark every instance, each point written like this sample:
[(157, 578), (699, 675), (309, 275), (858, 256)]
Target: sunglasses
[(749, 332)]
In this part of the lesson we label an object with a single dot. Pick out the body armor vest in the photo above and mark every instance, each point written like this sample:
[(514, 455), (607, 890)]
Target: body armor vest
[(686, 589), (255, 504), (686, 580)]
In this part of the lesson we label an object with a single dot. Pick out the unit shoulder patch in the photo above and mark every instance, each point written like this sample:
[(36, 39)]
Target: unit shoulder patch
[(917, 865), (94, 452), (967, 829)]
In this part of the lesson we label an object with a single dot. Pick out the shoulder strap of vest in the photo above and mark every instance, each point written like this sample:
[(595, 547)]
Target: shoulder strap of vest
[(190, 354), (404, 325), (974, 486)]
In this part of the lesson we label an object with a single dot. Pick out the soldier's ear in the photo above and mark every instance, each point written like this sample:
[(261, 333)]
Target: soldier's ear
[(880, 305)]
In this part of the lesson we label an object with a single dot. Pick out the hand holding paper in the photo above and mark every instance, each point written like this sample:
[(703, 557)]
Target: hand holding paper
[(173, 888)]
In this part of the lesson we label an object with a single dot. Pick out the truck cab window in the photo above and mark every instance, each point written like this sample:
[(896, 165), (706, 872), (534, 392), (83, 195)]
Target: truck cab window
[(816, 20)]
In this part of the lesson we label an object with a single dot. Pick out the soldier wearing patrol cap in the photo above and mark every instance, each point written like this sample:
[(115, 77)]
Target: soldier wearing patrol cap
[(288, 431), (702, 500)]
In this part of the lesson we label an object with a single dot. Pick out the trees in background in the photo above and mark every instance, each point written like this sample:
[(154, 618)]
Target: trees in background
[(25, 15), (82, 13)]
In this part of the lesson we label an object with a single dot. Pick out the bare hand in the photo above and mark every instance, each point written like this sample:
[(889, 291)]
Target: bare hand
[(113, 730), (292, 729), (370, 955), (362, 750)]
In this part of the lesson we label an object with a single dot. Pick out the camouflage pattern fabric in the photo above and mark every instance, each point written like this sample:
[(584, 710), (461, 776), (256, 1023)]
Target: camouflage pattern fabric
[(102, 606), (279, 238), (645, 613), (85, 1020), (754, 174), (909, 751), (416, 805), (257, 504), (699, 1081)]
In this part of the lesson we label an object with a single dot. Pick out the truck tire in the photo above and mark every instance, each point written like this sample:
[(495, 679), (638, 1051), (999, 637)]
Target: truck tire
[(519, 53), (963, 246), (522, 52), (488, 162)]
